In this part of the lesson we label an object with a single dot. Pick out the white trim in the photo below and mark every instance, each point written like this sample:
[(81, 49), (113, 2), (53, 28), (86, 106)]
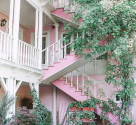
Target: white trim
[(18, 85), (47, 41), (3, 84), (20, 33), (47, 36), (32, 39), (54, 106), (31, 86), (7, 27)]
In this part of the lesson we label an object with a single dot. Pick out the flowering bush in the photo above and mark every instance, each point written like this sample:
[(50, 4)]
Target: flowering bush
[(24, 116)]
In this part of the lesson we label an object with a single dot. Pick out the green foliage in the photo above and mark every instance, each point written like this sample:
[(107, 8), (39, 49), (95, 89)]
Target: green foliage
[(77, 117), (44, 115), (24, 116), (5, 104), (88, 103), (76, 104), (108, 25)]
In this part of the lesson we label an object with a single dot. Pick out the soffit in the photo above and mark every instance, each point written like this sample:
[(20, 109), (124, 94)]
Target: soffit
[(60, 19), (27, 13)]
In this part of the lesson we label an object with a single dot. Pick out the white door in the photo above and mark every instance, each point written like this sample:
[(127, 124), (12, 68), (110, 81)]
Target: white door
[(44, 45), (33, 39), (20, 35)]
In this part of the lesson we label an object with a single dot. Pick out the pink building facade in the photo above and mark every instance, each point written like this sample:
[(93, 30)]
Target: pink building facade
[(33, 56)]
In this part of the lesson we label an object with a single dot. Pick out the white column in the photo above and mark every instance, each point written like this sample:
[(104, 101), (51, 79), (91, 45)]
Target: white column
[(40, 38), (54, 106), (56, 40), (16, 29), (37, 88), (11, 17), (11, 82), (56, 32), (36, 27)]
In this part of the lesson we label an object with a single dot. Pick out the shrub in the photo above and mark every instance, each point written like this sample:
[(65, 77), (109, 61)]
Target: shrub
[(24, 116)]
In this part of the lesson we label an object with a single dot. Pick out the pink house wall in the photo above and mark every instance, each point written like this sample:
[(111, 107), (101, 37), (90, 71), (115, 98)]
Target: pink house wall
[(47, 28), (3, 16), (3, 28), (1, 91)]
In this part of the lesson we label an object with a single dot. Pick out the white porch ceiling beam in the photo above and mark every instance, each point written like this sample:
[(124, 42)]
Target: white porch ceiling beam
[(18, 85), (3, 84), (31, 86), (45, 10)]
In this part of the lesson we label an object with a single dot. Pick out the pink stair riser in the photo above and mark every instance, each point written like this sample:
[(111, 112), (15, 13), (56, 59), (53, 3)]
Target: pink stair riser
[(87, 120), (59, 66), (88, 109), (68, 90), (75, 109)]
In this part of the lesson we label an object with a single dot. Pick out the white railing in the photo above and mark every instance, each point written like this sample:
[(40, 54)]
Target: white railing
[(6, 45), (27, 54), (59, 3), (88, 85), (54, 53)]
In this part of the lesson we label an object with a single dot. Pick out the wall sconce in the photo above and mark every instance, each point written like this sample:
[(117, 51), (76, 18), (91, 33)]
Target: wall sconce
[(3, 22)]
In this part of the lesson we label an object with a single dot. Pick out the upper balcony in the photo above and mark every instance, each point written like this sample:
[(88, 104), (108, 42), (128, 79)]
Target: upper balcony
[(21, 37)]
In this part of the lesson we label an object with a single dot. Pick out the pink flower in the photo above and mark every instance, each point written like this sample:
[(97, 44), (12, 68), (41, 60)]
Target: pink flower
[(28, 123)]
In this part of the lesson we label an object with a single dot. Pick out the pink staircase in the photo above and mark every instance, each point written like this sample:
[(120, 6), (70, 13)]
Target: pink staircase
[(76, 91), (57, 62)]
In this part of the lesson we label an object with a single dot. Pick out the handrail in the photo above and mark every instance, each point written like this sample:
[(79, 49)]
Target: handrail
[(94, 80), (50, 46), (28, 44), (6, 34), (89, 92)]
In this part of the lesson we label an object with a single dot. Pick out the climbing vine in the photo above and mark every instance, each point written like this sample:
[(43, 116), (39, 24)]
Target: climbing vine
[(108, 26)]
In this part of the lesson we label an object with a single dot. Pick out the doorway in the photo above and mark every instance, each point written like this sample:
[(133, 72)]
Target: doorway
[(45, 43), (65, 50)]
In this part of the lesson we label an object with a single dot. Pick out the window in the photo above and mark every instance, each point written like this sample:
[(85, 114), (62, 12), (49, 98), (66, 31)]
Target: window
[(117, 98)]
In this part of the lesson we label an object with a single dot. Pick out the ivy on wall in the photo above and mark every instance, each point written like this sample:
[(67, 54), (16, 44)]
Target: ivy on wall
[(108, 25)]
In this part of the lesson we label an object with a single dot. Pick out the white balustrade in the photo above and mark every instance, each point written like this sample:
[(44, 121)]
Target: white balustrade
[(83, 78), (27, 54), (6, 44), (54, 54)]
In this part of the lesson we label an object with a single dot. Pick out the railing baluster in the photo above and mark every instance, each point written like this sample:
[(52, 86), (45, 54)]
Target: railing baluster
[(10, 48), (4, 47), (47, 58), (94, 89), (51, 58), (23, 53), (65, 51), (26, 55), (77, 79), (107, 96), (101, 92), (21, 57), (71, 79), (66, 79), (89, 94), (59, 49), (7, 48), (53, 54), (19, 51), (1, 37), (83, 84)]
